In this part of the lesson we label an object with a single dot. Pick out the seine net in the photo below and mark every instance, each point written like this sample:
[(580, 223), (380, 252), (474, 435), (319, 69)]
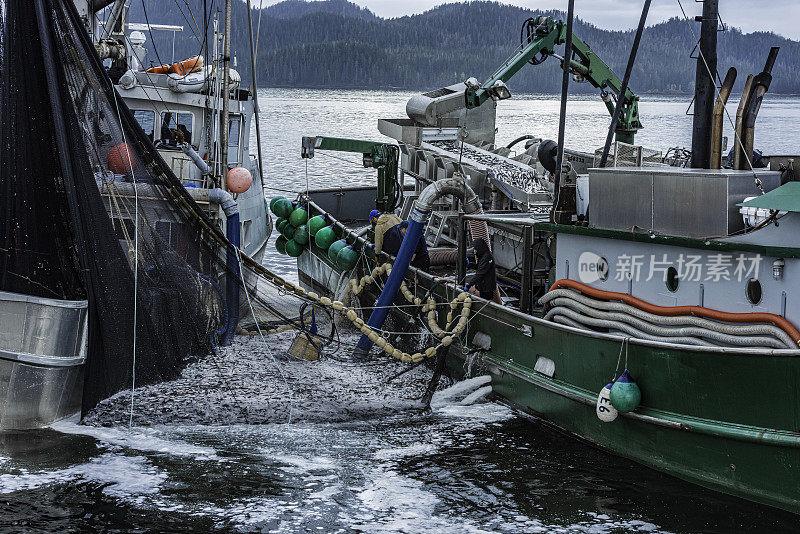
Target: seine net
[(89, 210)]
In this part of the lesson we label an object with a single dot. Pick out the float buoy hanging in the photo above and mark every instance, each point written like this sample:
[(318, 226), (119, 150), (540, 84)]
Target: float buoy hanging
[(280, 244), (625, 394), (121, 160), (604, 409), (239, 180), (334, 249), (315, 224), (298, 217), (325, 237)]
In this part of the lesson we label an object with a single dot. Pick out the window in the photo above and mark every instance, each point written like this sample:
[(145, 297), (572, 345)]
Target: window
[(176, 127), (234, 133), (147, 120), (673, 279), (753, 291)]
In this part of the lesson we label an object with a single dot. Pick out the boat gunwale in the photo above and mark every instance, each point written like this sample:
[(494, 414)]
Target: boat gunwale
[(570, 329)]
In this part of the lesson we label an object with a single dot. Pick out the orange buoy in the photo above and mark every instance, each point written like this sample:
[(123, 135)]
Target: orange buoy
[(120, 160), (239, 180)]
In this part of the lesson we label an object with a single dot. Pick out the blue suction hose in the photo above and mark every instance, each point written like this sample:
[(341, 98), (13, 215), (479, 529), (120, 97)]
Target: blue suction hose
[(416, 226), (234, 275)]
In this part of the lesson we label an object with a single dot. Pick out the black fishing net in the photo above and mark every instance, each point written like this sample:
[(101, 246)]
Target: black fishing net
[(89, 210)]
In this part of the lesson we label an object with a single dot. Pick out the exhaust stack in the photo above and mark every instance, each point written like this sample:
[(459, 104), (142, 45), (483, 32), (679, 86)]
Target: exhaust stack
[(719, 111)]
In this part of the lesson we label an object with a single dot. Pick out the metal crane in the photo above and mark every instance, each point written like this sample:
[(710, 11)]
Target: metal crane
[(381, 156), (539, 37)]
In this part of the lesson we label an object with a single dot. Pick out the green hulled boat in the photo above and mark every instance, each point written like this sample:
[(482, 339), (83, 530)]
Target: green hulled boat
[(659, 325)]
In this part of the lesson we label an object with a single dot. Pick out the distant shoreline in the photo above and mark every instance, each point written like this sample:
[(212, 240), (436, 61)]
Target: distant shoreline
[(553, 93)]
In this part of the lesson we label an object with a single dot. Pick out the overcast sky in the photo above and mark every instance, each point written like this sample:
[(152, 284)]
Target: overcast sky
[(779, 16)]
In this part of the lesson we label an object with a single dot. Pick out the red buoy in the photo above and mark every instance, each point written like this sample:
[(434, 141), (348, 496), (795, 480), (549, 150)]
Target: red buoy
[(239, 180), (120, 160)]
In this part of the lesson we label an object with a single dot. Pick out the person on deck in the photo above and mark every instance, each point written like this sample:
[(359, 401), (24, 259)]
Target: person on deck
[(484, 281), (382, 223)]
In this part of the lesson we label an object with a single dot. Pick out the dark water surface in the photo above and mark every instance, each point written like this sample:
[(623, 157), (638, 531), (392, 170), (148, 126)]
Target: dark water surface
[(458, 469)]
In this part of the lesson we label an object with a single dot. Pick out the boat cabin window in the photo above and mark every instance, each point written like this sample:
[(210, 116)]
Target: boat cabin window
[(147, 120), (176, 127), (234, 133)]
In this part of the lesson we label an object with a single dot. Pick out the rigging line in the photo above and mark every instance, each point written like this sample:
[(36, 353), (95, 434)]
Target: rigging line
[(186, 20), (189, 9), (150, 31), (261, 334), (135, 257), (258, 28), (736, 137)]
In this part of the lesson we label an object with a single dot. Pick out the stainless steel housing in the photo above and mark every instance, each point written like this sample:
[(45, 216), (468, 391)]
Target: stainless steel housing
[(42, 353)]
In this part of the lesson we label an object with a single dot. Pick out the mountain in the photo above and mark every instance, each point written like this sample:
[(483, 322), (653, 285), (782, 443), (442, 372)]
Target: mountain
[(336, 44), (294, 9)]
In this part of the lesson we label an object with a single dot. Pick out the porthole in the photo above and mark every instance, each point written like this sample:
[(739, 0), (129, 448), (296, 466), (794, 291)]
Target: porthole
[(672, 280), (602, 269), (753, 291)]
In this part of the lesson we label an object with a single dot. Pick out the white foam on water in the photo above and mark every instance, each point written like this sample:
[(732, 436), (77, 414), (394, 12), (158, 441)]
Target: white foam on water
[(301, 464), (416, 449), (126, 475), (460, 389), (145, 439)]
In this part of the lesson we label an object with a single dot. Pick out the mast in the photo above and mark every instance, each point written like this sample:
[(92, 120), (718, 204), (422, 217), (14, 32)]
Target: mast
[(705, 86), (226, 82), (253, 52)]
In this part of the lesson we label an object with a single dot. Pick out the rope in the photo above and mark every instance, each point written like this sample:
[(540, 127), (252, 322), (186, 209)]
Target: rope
[(264, 341), (135, 258)]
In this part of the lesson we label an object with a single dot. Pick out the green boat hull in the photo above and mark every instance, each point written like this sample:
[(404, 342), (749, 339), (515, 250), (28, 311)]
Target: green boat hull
[(725, 421), (728, 420)]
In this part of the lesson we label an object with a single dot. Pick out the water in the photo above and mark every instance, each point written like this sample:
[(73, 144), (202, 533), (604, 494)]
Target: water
[(207, 460)]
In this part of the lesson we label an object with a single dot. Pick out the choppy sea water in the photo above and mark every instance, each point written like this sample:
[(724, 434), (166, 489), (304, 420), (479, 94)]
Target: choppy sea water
[(212, 459)]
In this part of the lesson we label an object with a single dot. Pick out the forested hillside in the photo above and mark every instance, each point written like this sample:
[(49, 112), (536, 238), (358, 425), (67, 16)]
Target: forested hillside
[(337, 44)]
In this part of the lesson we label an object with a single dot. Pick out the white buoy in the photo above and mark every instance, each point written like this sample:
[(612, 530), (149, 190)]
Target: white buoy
[(605, 411)]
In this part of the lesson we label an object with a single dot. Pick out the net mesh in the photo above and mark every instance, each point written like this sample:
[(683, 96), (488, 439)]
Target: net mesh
[(624, 155), (90, 210)]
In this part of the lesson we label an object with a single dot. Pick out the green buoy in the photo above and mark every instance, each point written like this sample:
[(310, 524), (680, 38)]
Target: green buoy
[(293, 248), (274, 202), (283, 208), (280, 222), (625, 394), (315, 224), (301, 235), (347, 258), (298, 216), (288, 231), (280, 244), (334, 249), (325, 237)]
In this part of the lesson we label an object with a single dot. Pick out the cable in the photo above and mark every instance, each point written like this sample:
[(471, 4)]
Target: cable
[(261, 334), (136, 257)]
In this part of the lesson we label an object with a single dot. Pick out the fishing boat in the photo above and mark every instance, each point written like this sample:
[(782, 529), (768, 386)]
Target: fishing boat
[(647, 302), (124, 256)]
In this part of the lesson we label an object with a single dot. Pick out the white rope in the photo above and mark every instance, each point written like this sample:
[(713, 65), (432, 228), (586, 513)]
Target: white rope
[(261, 335), (135, 255)]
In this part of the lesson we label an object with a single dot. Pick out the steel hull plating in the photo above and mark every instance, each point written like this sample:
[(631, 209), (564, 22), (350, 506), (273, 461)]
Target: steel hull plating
[(42, 353), (725, 419)]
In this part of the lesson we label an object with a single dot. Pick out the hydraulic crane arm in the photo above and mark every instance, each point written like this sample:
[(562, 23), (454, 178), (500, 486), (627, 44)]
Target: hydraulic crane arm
[(381, 156), (539, 39)]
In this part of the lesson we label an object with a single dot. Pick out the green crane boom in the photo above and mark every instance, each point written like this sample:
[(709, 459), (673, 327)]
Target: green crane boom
[(545, 33), (381, 156)]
